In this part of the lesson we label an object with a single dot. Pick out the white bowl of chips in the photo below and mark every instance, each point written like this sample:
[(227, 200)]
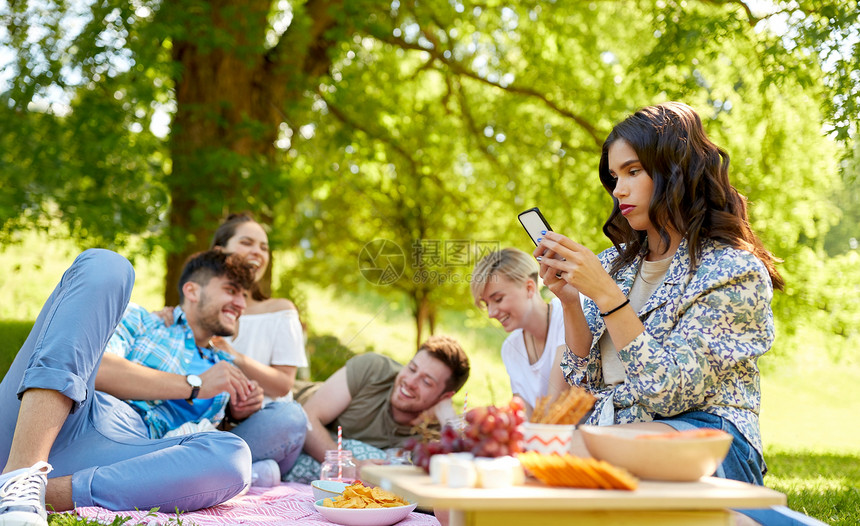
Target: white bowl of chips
[(327, 488), (363, 506)]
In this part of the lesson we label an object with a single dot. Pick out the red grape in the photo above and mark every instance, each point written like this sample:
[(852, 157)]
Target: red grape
[(490, 432)]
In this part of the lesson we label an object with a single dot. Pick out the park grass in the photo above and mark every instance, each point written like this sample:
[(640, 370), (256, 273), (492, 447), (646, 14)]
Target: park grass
[(822, 485), (70, 519), (30, 270), (807, 414), (816, 463)]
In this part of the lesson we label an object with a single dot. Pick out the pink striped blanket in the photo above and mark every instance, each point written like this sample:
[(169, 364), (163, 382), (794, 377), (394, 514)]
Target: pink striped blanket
[(290, 503)]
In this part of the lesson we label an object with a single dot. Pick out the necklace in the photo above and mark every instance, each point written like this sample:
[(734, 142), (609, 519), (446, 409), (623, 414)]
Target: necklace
[(534, 345)]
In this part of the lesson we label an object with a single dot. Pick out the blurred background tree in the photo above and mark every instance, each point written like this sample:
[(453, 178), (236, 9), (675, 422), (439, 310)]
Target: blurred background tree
[(429, 124)]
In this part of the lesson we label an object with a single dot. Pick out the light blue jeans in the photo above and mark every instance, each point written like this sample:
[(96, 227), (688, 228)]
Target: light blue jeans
[(277, 431), (104, 444), (742, 463)]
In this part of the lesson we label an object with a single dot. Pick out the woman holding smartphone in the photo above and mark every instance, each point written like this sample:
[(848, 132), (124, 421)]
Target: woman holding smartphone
[(678, 310), (505, 282)]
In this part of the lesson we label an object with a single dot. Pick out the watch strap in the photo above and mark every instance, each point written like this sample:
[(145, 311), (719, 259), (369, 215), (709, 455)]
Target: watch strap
[(195, 389), (194, 392)]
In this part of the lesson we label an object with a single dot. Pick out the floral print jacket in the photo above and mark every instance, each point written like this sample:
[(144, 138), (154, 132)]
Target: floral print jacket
[(705, 328)]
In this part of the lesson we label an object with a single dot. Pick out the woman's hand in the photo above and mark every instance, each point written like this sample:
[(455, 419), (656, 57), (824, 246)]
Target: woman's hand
[(577, 269), (166, 315), (225, 377), (242, 409), (220, 343), (552, 277)]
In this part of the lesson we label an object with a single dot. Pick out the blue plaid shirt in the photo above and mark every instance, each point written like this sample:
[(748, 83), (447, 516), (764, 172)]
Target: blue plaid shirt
[(143, 338)]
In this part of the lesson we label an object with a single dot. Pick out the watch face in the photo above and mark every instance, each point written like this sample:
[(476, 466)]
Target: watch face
[(194, 380)]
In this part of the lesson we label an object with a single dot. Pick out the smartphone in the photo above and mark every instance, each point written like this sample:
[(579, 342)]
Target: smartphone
[(534, 223)]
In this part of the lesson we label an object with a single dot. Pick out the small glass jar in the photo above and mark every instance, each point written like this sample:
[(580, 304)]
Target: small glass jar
[(339, 466), (398, 456)]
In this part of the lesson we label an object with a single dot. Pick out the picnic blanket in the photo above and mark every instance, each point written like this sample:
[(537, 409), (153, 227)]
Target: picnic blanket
[(290, 503)]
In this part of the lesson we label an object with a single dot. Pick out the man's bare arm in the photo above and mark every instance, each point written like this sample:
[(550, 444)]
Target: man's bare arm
[(330, 400), (276, 380), (131, 381)]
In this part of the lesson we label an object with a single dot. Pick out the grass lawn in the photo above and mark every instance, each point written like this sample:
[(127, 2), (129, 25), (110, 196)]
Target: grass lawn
[(822, 485), (807, 422)]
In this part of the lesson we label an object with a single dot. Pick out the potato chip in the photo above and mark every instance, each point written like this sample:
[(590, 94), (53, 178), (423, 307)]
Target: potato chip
[(359, 496), (380, 495)]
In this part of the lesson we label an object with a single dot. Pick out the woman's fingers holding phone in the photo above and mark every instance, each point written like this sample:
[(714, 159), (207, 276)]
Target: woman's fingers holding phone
[(559, 246), (569, 255), (581, 268), (541, 252), (545, 256), (554, 279)]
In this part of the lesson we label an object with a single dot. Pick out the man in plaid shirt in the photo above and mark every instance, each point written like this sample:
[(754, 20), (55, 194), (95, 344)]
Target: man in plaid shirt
[(170, 358), (101, 451)]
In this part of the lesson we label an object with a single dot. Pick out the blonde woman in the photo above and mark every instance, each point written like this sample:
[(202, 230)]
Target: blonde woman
[(505, 282)]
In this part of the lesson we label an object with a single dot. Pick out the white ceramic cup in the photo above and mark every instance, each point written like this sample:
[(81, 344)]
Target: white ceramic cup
[(547, 438)]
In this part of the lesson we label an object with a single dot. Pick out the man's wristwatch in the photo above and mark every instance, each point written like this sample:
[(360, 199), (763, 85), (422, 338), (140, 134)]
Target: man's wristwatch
[(195, 382)]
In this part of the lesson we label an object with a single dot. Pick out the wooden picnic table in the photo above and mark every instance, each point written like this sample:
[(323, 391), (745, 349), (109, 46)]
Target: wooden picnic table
[(704, 502)]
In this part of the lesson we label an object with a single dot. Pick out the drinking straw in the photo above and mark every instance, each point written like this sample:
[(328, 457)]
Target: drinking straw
[(339, 449), (465, 401)]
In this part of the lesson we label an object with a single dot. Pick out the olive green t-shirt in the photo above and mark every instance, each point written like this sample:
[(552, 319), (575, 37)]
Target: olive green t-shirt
[(370, 379)]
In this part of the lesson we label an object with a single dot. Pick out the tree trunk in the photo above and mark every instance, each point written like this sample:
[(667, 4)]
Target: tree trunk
[(231, 94), (425, 315)]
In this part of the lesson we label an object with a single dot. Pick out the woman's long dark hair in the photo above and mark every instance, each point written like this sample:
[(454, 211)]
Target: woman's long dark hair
[(692, 192), (225, 231)]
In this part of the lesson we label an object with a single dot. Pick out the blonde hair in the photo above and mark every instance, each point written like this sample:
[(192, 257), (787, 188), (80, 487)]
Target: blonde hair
[(510, 263)]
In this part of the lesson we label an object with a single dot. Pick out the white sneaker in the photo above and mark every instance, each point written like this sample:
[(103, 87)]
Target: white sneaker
[(265, 473), (22, 496)]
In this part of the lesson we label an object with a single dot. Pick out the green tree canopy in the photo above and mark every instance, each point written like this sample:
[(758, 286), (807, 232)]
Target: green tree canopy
[(344, 121)]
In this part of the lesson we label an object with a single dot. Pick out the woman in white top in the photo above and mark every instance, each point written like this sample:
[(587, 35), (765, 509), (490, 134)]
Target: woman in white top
[(505, 282), (270, 332)]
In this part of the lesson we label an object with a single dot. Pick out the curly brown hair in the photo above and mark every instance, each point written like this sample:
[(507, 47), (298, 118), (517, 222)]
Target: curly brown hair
[(448, 351), (692, 192), (203, 266)]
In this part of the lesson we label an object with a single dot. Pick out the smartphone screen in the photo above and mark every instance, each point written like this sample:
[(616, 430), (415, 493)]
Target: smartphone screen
[(534, 223)]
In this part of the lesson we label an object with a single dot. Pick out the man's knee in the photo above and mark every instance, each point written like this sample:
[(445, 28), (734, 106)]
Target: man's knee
[(225, 451), (110, 268), (289, 418)]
